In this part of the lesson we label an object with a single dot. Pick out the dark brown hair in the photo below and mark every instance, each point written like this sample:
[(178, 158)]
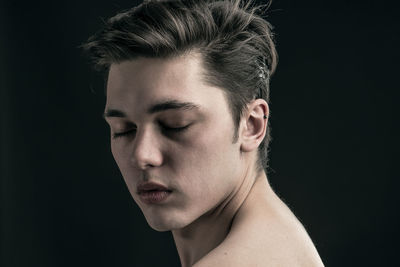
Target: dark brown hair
[(235, 43)]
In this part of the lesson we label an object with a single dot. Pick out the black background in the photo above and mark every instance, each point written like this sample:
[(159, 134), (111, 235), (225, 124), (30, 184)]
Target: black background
[(334, 124)]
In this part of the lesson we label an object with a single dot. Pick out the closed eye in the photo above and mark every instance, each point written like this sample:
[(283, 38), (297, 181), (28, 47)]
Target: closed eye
[(127, 133), (164, 128), (173, 129)]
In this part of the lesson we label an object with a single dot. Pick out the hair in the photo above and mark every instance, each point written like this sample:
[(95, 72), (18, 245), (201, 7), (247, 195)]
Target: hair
[(235, 43)]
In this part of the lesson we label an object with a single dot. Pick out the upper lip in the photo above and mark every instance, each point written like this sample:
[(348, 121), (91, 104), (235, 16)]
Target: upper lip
[(147, 186)]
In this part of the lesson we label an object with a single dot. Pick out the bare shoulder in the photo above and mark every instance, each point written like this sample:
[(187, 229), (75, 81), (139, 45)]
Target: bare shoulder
[(264, 236)]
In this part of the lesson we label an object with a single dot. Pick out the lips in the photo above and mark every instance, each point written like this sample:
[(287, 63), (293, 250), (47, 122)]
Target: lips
[(151, 186), (151, 193)]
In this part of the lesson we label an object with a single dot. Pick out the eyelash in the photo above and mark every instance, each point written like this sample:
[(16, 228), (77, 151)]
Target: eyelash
[(117, 135), (164, 128)]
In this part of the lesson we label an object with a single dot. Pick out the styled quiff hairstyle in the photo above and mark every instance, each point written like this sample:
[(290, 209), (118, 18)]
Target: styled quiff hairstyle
[(235, 43)]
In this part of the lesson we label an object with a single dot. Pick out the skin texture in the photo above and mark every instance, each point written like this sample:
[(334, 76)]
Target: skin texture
[(221, 212)]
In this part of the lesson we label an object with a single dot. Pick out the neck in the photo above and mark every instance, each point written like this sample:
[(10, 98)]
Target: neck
[(203, 235)]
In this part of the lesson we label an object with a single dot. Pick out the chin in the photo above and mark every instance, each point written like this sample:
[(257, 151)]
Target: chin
[(165, 224), (159, 227)]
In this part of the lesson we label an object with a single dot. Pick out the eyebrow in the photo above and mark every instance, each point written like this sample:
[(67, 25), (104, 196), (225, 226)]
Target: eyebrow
[(159, 107)]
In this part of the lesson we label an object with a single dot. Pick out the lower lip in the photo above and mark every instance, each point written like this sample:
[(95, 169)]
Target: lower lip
[(154, 197)]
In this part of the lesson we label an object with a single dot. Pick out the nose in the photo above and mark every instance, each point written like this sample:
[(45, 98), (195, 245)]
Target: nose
[(146, 151)]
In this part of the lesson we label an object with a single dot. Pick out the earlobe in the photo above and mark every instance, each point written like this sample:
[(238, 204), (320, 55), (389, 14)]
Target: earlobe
[(255, 125)]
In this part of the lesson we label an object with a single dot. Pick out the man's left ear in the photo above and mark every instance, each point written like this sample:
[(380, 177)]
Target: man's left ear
[(254, 125)]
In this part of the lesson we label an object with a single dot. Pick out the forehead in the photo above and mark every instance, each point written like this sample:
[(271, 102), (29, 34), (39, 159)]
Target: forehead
[(135, 85)]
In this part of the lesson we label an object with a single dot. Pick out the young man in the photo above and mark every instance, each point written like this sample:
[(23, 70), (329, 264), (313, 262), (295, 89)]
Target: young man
[(187, 105)]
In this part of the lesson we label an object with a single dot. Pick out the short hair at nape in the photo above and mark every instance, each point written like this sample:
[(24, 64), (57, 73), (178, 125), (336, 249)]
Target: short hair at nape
[(235, 42)]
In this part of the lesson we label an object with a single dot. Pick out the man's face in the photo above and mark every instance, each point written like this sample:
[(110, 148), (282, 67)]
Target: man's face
[(200, 164)]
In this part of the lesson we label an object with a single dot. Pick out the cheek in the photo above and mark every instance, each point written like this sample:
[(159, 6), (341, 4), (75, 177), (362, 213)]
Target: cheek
[(117, 154), (122, 161), (120, 152), (206, 164)]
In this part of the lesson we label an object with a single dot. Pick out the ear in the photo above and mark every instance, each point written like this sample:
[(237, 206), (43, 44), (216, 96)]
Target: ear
[(254, 125)]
